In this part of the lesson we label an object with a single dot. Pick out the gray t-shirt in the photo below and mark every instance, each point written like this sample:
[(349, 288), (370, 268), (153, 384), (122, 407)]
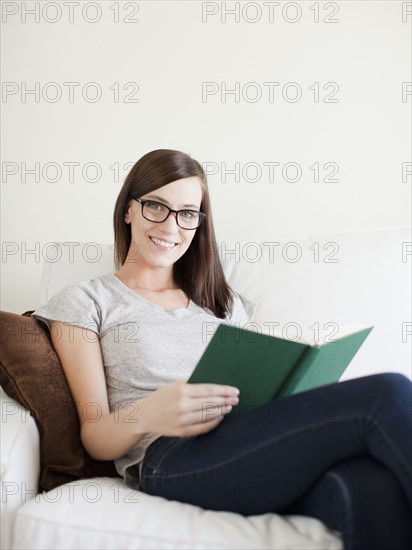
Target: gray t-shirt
[(144, 346)]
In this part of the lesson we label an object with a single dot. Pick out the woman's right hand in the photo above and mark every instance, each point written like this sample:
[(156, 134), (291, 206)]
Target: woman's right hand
[(180, 409), (177, 409)]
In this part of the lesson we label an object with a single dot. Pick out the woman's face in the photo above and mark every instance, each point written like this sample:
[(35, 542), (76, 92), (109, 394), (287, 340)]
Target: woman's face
[(162, 244)]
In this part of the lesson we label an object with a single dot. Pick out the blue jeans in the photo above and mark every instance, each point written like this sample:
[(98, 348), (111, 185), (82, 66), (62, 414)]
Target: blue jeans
[(341, 453)]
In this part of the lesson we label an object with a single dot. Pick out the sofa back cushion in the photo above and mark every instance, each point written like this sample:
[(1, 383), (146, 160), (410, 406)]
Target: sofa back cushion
[(310, 286)]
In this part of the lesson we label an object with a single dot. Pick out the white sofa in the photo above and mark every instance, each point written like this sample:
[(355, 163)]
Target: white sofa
[(300, 284)]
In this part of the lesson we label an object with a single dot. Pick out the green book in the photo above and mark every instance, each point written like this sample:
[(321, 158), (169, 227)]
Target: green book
[(266, 367)]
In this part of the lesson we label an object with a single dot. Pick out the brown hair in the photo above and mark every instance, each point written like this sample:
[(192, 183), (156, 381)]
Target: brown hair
[(198, 272)]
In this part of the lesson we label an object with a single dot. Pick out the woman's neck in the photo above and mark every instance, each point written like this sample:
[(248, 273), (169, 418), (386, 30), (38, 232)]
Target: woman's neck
[(154, 279)]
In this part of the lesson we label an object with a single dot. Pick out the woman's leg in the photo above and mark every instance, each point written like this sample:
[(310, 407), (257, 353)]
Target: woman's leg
[(266, 459), (360, 498)]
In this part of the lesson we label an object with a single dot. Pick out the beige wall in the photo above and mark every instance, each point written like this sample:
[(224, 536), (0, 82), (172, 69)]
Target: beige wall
[(329, 96)]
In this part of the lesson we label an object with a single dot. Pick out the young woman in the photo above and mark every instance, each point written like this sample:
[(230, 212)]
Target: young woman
[(129, 340)]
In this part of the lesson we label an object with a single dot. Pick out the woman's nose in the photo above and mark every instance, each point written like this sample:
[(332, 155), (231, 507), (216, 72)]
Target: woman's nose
[(171, 222)]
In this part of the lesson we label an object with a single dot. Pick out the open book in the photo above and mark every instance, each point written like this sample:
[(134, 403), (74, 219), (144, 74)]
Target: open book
[(267, 367)]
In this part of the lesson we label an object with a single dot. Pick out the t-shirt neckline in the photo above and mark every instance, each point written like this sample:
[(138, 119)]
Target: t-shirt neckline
[(179, 310)]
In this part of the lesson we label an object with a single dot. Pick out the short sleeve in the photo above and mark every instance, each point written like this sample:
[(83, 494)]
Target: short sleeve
[(242, 311), (73, 305)]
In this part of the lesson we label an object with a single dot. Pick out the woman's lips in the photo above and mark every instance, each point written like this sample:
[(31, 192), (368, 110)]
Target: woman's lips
[(161, 243)]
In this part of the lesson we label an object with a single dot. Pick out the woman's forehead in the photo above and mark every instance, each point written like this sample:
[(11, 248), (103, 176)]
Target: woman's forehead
[(186, 190)]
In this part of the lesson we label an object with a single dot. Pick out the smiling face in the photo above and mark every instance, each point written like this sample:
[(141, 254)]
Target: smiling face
[(162, 244)]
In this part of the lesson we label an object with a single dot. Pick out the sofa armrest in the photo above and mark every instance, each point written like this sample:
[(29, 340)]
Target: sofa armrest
[(20, 462)]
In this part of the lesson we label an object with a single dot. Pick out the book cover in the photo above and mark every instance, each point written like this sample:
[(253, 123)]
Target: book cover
[(267, 367)]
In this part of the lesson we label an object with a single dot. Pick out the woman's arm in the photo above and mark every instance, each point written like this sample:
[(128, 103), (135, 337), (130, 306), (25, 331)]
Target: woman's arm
[(177, 409)]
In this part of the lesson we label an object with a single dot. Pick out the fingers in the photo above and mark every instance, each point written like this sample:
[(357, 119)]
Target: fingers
[(209, 409), (192, 409), (212, 389), (208, 398), (213, 405), (199, 396), (202, 427), (200, 415)]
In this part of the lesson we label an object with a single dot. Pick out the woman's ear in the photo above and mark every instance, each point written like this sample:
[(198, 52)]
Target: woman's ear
[(127, 214)]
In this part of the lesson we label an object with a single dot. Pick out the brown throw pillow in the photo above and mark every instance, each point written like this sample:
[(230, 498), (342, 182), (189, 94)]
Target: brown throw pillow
[(31, 373)]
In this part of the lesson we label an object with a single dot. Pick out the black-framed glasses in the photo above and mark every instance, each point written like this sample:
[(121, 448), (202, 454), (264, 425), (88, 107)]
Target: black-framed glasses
[(158, 212)]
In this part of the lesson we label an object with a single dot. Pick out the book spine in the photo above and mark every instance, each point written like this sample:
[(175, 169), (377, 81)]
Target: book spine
[(304, 363)]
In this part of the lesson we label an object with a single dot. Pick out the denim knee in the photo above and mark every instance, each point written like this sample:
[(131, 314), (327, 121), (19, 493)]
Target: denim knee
[(362, 500), (388, 382)]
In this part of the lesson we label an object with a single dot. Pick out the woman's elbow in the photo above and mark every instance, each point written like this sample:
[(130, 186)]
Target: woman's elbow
[(94, 442)]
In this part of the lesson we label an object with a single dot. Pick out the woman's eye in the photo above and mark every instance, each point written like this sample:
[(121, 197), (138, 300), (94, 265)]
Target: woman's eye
[(187, 214), (155, 206)]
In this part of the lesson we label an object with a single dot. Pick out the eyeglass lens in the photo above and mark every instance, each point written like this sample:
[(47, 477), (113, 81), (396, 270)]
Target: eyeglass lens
[(157, 212)]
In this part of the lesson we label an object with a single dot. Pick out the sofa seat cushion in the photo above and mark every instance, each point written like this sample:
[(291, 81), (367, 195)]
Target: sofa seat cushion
[(19, 439), (104, 513)]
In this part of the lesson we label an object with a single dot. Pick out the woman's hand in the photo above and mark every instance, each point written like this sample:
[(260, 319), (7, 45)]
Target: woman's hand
[(182, 410)]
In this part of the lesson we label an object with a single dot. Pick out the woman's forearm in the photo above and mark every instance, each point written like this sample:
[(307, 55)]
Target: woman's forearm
[(176, 409), (111, 436)]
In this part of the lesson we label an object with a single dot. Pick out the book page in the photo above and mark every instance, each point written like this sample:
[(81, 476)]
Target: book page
[(316, 335)]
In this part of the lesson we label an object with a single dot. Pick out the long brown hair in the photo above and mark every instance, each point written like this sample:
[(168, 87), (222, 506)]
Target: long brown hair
[(199, 271)]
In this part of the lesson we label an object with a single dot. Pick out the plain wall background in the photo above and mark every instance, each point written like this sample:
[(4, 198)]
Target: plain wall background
[(163, 60)]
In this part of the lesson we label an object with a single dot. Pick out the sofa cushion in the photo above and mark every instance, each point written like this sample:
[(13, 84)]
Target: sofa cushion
[(105, 513), (19, 439), (31, 373)]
